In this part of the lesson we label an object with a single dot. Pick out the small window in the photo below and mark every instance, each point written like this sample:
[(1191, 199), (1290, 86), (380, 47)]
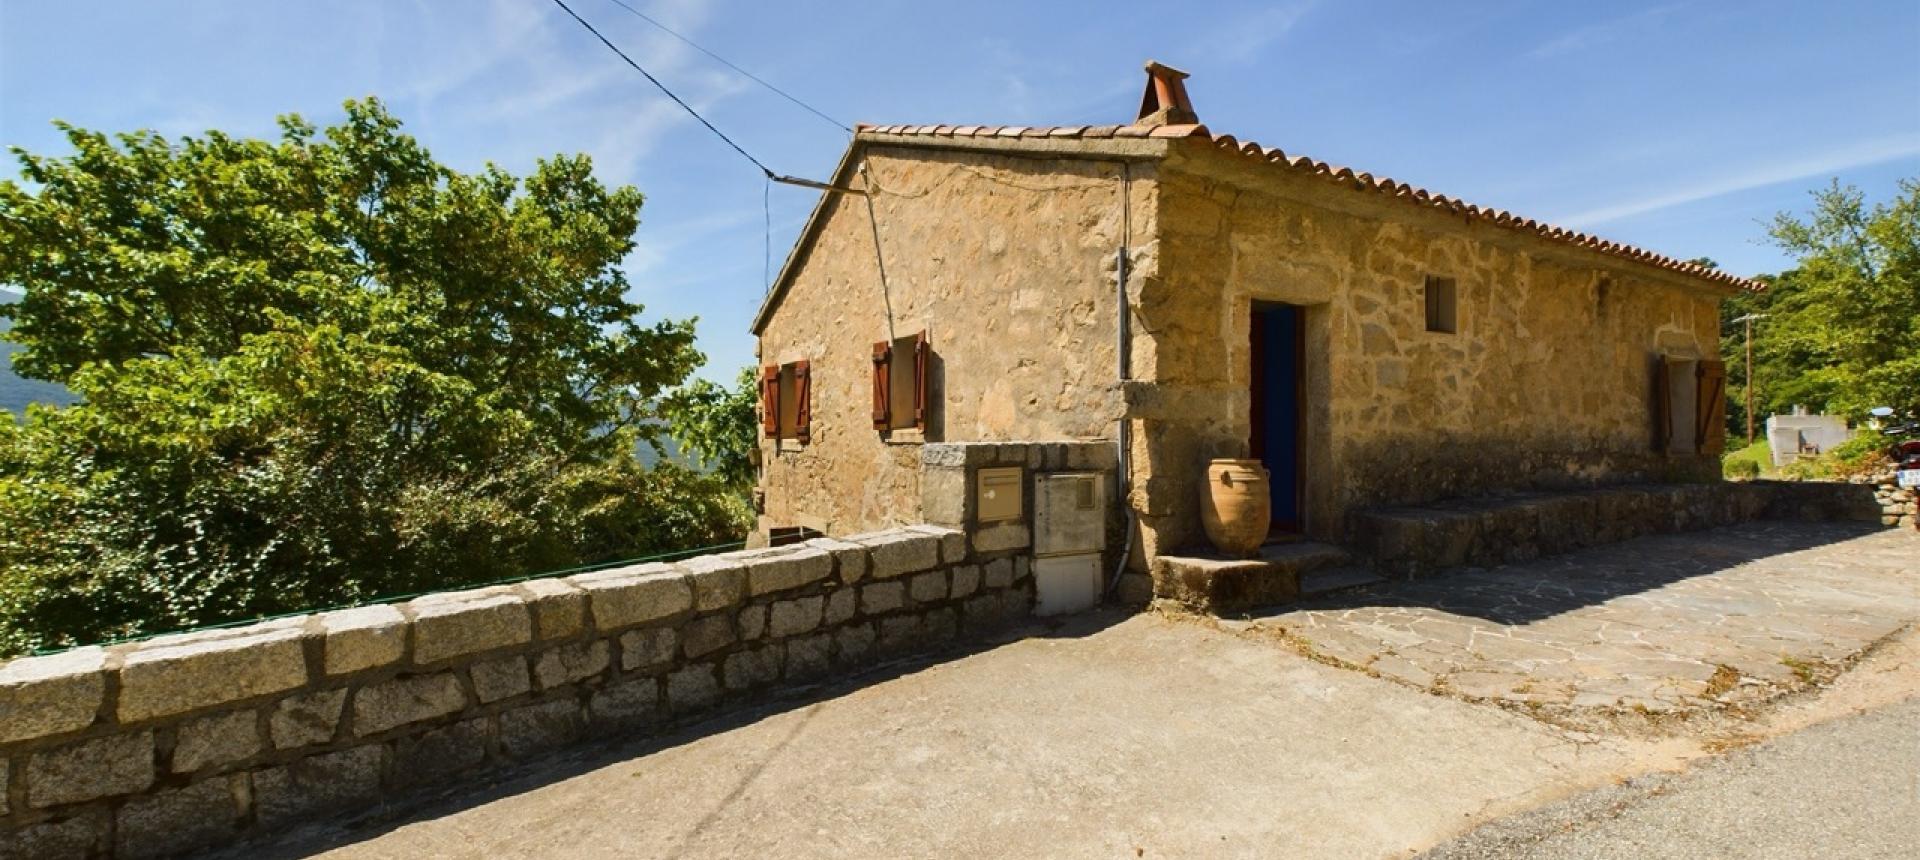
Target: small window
[(900, 400), (1442, 305), (786, 401)]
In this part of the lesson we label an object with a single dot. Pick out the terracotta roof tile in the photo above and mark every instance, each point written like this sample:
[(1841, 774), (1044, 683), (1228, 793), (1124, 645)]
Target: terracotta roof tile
[(1358, 180)]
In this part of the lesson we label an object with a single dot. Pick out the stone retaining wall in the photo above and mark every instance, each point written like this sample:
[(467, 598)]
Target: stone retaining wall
[(1483, 532), (190, 741)]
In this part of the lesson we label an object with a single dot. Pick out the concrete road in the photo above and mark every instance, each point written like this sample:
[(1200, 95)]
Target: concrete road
[(1146, 738), (1849, 788)]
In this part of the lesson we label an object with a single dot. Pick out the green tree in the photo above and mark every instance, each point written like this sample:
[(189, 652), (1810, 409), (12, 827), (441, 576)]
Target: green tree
[(715, 424), (1842, 325), (320, 370)]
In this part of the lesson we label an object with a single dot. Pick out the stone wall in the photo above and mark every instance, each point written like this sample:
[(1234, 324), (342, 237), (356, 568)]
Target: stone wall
[(1546, 383), (185, 742), (1418, 540), (1007, 261)]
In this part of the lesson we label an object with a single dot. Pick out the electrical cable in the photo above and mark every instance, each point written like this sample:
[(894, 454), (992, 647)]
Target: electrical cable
[(723, 61), (663, 88)]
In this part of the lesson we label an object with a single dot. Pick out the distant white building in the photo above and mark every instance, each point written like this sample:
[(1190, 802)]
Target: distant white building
[(1791, 436)]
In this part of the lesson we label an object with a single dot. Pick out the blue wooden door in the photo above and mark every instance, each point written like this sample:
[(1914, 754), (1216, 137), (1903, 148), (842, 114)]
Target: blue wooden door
[(1277, 354)]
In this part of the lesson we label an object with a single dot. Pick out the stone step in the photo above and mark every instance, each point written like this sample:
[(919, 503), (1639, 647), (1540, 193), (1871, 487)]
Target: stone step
[(1329, 580), (1216, 585), (1303, 556)]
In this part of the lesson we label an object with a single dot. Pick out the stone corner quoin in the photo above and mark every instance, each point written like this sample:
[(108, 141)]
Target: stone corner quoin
[(327, 712)]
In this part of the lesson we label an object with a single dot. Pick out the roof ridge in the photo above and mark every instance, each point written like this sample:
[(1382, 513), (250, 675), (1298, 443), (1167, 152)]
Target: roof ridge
[(1299, 163)]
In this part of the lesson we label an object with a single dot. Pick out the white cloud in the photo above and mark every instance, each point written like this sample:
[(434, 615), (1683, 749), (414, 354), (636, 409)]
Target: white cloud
[(1600, 33), (1756, 176)]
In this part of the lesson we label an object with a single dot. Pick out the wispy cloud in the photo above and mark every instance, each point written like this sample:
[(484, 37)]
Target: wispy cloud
[(532, 62), (1591, 35), (1241, 38), (1756, 176)]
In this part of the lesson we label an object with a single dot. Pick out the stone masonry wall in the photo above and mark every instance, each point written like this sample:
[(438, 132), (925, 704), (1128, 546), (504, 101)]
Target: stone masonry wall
[(1546, 383), (190, 741), (1007, 261)]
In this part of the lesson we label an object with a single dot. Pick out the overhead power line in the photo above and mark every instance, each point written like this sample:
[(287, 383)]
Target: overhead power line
[(663, 88), (723, 61)]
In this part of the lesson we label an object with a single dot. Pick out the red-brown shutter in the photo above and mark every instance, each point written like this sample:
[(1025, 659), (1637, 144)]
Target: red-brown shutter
[(921, 355), (803, 402), (882, 385), (770, 400), (1662, 406), (1711, 435)]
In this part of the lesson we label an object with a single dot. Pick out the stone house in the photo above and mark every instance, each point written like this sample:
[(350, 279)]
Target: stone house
[(1182, 295)]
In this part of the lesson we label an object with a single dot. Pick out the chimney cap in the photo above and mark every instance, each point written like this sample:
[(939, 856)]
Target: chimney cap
[(1165, 101)]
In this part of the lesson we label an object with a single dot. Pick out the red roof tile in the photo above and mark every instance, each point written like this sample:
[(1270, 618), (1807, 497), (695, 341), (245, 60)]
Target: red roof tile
[(1359, 181)]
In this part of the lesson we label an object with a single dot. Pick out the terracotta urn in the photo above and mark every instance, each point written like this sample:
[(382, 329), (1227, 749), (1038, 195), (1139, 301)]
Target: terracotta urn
[(1235, 507)]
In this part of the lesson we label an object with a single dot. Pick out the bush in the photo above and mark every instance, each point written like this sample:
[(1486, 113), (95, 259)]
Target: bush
[(1740, 468)]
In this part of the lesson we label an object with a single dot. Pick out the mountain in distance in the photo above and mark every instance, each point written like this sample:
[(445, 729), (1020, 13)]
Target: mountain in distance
[(16, 393)]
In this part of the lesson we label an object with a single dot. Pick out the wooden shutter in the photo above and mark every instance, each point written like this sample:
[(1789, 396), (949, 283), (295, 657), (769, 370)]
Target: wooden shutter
[(1662, 406), (1711, 411), (882, 385), (770, 400), (921, 355), (803, 401)]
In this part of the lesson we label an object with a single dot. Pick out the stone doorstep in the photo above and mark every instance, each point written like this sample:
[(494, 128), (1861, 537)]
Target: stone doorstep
[(1215, 585)]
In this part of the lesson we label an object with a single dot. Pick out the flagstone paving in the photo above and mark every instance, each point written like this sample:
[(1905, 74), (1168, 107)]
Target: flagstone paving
[(1667, 624)]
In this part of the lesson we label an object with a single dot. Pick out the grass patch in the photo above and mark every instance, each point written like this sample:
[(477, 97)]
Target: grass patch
[(1753, 461)]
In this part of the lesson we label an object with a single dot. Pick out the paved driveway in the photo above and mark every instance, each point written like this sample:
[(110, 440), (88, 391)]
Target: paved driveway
[(1846, 789), (1152, 737), (1672, 623)]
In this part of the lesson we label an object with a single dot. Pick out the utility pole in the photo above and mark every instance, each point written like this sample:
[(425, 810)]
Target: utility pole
[(1748, 319)]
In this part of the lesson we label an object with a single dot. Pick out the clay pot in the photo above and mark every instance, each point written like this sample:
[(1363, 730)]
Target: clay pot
[(1235, 507)]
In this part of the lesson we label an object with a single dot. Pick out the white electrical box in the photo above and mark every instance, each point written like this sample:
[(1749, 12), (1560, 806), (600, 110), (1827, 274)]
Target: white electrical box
[(1066, 583), (1069, 513)]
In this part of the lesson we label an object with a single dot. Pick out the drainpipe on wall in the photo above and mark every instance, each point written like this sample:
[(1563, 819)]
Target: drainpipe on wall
[(1123, 358)]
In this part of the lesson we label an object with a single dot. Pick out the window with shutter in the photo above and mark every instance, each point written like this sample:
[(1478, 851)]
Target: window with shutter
[(903, 398), (882, 388), (770, 400), (922, 352), (802, 401), (1710, 433)]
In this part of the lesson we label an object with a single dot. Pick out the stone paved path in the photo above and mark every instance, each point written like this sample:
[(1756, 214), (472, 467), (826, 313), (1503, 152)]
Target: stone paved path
[(1674, 623)]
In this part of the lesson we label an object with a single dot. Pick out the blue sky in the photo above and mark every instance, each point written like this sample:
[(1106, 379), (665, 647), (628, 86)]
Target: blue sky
[(1675, 126)]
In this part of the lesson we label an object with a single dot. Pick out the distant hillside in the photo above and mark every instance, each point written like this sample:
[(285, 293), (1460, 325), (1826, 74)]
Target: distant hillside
[(16, 393)]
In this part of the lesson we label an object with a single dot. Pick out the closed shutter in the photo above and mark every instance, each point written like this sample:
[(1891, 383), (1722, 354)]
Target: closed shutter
[(1662, 406), (803, 402), (882, 385), (770, 400), (1711, 435), (921, 355)]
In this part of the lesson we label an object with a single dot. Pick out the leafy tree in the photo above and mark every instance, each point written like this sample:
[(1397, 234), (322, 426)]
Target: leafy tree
[(716, 424), (1842, 326), (320, 370)]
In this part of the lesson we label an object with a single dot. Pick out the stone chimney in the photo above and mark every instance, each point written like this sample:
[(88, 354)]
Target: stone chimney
[(1165, 101)]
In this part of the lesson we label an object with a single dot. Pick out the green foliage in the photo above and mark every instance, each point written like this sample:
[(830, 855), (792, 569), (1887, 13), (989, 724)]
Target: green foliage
[(1749, 462), (1842, 326), (1740, 468), (716, 425), (320, 370)]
